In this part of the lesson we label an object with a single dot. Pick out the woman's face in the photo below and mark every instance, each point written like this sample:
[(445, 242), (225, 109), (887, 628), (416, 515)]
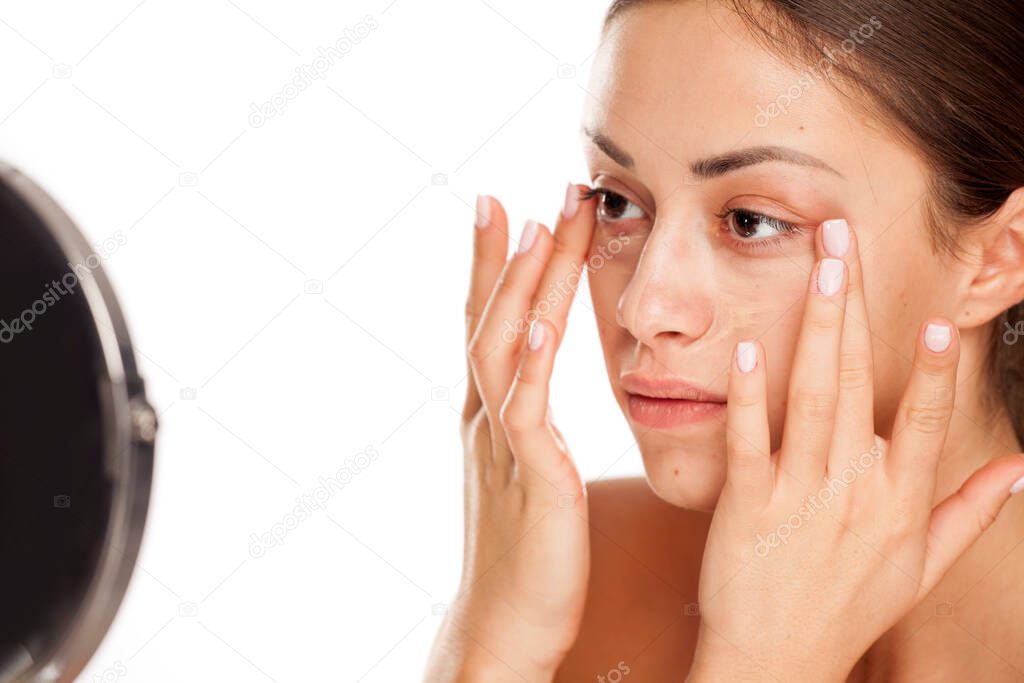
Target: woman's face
[(697, 249)]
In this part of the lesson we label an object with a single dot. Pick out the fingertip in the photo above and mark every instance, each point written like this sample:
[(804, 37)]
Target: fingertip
[(490, 234), (747, 356), (585, 199), (747, 381), (483, 211), (939, 337), (835, 237), (497, 218), (586, 194), (533, 239), (830, 277), (571, 205), (538, 335)]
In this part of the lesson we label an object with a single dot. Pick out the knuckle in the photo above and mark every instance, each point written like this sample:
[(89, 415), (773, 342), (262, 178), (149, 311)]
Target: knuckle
[(814, 405), (985, 516), (745, 400), (561, 245), (746, 459), (513, 418), (824, 321), (854, 373), (477, 351), (926, 419), (930, 414), (474, 352), (525, 378)]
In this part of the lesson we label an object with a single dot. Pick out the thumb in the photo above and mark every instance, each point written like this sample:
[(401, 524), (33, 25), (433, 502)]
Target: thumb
[(958, 521)]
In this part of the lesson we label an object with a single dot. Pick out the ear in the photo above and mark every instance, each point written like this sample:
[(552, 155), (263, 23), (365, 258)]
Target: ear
[(998, 282)]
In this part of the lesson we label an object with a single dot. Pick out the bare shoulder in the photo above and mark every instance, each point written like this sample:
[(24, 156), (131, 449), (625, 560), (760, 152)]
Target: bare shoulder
[(645, 562)]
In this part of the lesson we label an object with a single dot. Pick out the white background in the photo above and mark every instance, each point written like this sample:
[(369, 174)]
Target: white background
[(136, 117)]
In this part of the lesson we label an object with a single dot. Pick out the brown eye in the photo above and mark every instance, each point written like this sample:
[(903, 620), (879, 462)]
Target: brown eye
[(751, 226), (614, 207)]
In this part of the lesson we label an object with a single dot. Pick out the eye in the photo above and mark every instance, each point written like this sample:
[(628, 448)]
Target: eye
[(756, 229), (613, 206)]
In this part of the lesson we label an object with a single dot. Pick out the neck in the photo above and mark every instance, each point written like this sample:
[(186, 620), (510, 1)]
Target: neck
[(966, 624)]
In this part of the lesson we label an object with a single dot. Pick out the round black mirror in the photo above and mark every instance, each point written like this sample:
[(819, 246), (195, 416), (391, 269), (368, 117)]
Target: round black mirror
[(77, 436)]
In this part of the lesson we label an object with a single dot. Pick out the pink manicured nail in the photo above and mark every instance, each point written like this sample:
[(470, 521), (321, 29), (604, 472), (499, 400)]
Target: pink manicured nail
[(483, 211), (836, 237), (746, 356), (830, 276), (536, 339), (528, 236), (937, 337), (572, 201), (1018, 486)]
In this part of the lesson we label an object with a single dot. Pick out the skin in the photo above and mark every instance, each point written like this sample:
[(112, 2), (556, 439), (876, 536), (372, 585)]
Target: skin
[(561, 585)]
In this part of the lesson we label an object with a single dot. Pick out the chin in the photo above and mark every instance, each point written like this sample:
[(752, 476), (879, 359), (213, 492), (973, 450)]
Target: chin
[(686, 473)]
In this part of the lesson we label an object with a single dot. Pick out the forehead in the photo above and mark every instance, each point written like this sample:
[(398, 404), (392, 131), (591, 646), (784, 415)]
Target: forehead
[(685, 80)]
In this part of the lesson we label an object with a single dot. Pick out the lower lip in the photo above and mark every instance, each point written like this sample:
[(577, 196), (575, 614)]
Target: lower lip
[(667, 413)]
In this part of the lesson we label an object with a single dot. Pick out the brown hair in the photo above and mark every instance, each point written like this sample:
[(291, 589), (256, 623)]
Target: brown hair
[(947, 77)]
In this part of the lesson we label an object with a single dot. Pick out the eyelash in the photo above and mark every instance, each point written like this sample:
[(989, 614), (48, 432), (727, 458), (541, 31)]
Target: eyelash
[(783, 227)]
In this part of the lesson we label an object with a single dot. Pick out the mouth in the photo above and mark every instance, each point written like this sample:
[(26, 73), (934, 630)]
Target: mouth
[(668, 402)]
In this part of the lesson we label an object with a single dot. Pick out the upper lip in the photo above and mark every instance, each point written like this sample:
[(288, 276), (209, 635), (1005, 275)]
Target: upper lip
[(667, 387)]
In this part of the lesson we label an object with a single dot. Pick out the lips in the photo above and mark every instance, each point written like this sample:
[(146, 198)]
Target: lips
[(669, 402), (667, 387)]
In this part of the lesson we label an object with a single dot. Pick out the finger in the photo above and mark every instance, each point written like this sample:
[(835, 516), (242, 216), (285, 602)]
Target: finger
[(490, 245), (855, 432), (747, 438), (495, 347), (573, 234), (961, 518), (922, 417), (813, 383), (541, 462)]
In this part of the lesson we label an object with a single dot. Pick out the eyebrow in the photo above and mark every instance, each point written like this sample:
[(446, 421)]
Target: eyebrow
[(721, 164)]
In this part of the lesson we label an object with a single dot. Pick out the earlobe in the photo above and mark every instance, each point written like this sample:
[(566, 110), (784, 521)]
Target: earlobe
[(999, 281)]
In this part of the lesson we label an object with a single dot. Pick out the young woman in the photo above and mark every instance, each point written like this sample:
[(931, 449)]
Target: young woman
[(805, 248)]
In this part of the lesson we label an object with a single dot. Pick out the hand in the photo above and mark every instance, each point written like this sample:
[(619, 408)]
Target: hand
[(527, 555), (818, 549)]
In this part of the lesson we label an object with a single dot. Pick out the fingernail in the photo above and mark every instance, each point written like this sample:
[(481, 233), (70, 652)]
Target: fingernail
[(937, 337), (536, 339), (746, 356), (483, 211), (528, 236), (836, 237), (830, 276), (572, 201)]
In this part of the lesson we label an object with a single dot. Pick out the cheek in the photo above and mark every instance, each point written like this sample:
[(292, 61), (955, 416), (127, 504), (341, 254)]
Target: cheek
[(606, 286), (779, 342), (610, 264), (899, 297)]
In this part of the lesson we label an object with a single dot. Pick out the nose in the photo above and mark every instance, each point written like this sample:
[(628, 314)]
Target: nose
[(668, 299)]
